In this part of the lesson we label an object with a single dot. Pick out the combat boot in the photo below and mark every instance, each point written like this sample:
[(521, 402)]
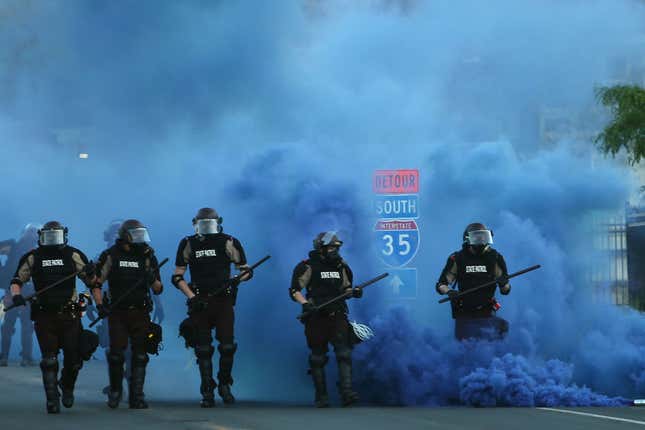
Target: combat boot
[(136, 397), (49, 368), (226, 353), (67, 382), (317, 371), (347, 394), (115, 370), (205, 361)]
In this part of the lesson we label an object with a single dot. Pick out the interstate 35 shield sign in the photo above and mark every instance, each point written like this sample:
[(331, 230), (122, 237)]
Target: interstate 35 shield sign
[(397, 241)]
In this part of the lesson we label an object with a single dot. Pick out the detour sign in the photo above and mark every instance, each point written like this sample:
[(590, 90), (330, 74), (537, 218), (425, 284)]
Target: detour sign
[(401, 181)]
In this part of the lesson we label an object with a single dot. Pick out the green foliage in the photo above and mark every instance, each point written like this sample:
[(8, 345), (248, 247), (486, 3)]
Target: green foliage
[(627, 127)]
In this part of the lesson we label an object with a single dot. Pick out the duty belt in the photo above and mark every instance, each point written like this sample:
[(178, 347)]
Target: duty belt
[(209, 292), (331, 311), (133, 307), (70, 307), (138, 306)]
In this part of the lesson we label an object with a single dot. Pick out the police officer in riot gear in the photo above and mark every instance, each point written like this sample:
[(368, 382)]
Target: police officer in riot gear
[(131, 271), (325, 275), (110, 236), (28, 240), (208, 254), (475, 264), (55, 312)]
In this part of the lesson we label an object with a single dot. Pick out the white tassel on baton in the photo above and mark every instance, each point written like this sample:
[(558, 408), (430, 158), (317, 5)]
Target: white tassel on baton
[(363, 332)]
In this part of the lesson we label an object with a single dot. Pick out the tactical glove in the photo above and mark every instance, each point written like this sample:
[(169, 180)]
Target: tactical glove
[(308, 308)]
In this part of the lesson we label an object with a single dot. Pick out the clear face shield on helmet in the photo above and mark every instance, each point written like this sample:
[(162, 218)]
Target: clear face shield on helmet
[(51, 237), (330, 246), (479, 238), (139, 235), (207, 226), (330, 238)]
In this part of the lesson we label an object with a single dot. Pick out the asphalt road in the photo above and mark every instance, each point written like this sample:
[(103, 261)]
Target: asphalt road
[(22, 406)]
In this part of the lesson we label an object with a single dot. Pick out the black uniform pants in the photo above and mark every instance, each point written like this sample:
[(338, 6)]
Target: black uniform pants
[(128, 325), (219, 313), (56, 331), (490, 328), (322, 329)]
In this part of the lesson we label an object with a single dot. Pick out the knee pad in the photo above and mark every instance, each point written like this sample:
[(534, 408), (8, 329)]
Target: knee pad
[(140, 359), (344, 355), (204, 351), (49, 363), (116, 358), (227, 349), (318, 360)]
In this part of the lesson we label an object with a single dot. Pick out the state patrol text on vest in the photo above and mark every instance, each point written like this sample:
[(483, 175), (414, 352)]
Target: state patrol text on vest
[(49, 263), (134, 264), (205, 253)]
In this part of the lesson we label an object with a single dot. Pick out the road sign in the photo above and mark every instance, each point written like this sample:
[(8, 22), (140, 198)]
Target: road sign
[(397, 241), (403, 282), (397, 206), (401, 181)]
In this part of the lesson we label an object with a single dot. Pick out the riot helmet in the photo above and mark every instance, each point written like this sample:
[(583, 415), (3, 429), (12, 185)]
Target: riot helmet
[(133, 232), (53, 233), (328, 245), (207, 221), (478, 237)]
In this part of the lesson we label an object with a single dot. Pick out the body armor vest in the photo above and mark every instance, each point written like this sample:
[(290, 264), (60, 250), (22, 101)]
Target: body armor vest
[(472, 271), (52, 263), (326, 283), (128, 269), (209, 264)]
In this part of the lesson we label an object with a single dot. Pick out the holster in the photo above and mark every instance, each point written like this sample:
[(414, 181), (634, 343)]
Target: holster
[(188, 331), (154, 339), (88, 344)]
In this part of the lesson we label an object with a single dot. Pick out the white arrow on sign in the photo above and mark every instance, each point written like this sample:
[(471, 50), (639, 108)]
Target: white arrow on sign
[(396, 284)]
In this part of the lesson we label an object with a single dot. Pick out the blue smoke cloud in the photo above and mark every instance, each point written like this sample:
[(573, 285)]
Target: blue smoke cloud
[(560, 343), (277, 117)]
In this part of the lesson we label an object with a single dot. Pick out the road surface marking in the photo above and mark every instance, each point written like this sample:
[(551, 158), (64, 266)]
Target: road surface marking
[(586, 414)]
